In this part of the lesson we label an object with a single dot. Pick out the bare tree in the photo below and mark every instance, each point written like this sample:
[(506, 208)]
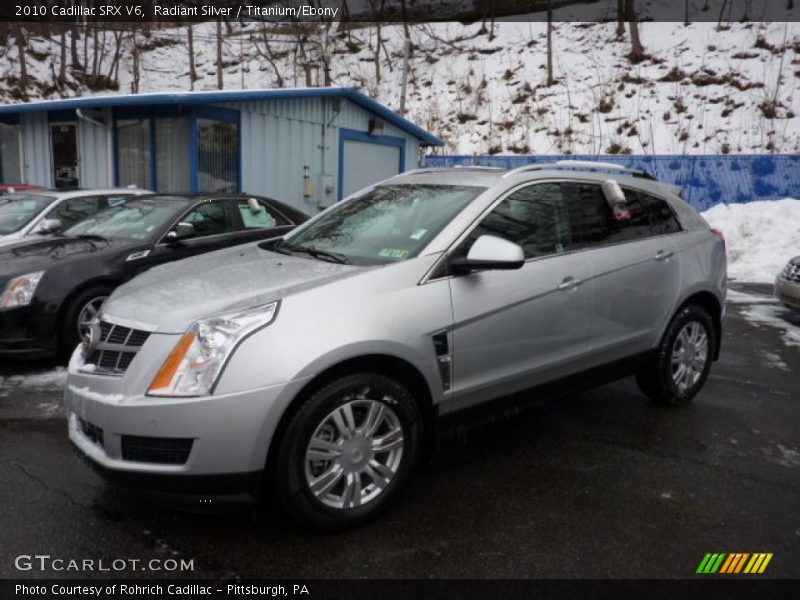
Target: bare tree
[(220, 83), (19, 36), (637, 53), (550, 79), (62, 66), (190, 42)]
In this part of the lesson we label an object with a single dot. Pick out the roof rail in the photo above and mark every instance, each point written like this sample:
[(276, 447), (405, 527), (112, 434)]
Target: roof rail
[(462, 167), (581, 165)]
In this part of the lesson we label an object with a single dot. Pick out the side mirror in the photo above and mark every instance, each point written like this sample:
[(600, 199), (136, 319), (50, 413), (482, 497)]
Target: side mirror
[(49, 226), (181, 231), (491, 252)]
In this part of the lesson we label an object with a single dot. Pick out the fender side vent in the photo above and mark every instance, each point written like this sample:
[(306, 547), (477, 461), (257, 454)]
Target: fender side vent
[(441, 346)]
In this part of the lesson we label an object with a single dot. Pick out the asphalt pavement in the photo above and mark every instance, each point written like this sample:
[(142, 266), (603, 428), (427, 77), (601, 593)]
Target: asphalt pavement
[(600, 484)]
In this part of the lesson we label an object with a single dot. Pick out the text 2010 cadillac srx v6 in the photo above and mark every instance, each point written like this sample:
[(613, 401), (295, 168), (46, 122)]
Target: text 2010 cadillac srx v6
[(315, 368)]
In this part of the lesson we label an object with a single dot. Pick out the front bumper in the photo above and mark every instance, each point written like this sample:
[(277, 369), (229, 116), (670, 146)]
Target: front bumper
[(788, 292), (204, 445), (27, 332)]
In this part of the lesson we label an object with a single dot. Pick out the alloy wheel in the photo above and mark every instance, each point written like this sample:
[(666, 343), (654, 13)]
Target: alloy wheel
[(689, 355), (354, 452), (88, 314)]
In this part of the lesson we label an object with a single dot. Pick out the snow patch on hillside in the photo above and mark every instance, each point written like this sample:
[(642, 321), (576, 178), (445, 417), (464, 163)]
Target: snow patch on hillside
[(702, 89), (761, 236)]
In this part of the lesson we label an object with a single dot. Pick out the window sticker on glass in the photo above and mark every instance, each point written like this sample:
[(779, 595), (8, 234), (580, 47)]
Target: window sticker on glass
[(392, 253), (418, 234)]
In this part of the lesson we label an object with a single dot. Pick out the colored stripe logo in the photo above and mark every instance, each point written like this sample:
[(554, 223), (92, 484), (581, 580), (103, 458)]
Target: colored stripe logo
[(734, 563)]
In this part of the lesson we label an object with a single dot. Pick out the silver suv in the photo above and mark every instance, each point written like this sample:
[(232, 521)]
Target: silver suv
[(315, 367)]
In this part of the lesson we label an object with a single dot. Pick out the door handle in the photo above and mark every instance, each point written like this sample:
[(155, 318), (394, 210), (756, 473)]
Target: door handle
[(663, 254), (569, 283)]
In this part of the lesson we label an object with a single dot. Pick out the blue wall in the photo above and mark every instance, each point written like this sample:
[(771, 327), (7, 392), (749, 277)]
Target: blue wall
[(706, 180)]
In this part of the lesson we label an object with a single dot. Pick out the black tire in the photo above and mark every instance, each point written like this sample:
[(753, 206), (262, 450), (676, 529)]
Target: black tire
[(69, 336), (656, 379), (290, 469)]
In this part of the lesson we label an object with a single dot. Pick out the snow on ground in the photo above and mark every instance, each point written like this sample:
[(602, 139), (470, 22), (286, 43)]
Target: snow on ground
[(761, 236), (774, 316), (43, 380)]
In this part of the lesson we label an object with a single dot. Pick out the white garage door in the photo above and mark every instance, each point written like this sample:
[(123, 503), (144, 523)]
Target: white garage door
[(365, 163)]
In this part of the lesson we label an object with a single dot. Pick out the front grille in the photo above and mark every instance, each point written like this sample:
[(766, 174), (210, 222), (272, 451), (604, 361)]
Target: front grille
[(166, 451), (92, 432), (116, 349), (792, 273)]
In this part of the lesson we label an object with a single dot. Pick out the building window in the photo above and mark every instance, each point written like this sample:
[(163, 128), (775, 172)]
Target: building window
[(218, 164), (10, 160), (133, 150), (172, 154)]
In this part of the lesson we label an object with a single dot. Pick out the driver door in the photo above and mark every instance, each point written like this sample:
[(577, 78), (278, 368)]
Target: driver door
[(215, 223), (518, 328)]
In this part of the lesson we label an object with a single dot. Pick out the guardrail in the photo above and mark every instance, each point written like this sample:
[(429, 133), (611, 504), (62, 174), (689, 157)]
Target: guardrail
[(706, 179)]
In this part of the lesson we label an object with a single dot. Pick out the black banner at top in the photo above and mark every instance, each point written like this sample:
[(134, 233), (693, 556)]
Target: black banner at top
[(320, 11)]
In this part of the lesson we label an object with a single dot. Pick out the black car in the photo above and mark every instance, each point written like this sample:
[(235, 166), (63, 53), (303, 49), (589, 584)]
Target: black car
[(51, 289)]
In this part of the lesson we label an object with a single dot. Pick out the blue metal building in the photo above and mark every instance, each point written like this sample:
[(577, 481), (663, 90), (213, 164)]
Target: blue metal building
[(308, 147)]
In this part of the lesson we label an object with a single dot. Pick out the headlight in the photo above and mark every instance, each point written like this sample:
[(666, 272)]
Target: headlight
[(19, 291), (194, 365)]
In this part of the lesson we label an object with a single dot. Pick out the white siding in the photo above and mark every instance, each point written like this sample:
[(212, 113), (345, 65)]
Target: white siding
[(280, 137), (94, 154), (36, 149)]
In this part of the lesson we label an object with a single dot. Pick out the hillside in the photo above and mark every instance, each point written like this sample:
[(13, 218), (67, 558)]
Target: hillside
[(700, 90)]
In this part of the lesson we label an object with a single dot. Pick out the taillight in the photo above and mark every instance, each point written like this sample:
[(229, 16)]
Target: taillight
[(721, 236)]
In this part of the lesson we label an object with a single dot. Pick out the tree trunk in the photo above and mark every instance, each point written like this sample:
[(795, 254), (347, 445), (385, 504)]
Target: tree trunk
[(637, 54), (19, 35), (62, 67), (192, 70), (135, 80), (550, 79), (220, 82), (620, 19), (76, 59), (377, 58)]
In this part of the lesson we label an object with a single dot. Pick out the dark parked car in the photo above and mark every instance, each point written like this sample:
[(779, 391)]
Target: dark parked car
[(51, 289)]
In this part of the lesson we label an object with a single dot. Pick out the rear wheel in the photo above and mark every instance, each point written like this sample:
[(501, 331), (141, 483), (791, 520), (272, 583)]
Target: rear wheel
[(348, 451), (82, 310), (680, 366)]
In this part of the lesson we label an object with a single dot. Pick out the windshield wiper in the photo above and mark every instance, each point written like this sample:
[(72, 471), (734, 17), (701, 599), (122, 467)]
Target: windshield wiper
[(91, 237), (316, 253)]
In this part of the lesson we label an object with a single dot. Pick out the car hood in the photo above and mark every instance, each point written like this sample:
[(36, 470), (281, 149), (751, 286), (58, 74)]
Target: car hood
[(40, 254), (170, 297)]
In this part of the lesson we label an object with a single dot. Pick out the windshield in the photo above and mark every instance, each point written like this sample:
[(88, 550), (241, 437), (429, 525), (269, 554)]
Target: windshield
[(386, 223), (18, 210), (139, 219)]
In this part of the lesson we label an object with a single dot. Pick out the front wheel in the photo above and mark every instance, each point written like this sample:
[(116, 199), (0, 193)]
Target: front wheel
[(348, 451), (682, 361), (81, 312)]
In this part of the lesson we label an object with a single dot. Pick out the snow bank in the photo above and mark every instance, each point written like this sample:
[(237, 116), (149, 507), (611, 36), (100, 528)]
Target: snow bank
[(54, 379), (761, 236)]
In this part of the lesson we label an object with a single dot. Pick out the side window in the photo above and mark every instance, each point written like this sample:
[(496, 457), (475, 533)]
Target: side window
[(263, 218), (593, 222), (533, 217), (73, 210), (210, 218), (662, 219)]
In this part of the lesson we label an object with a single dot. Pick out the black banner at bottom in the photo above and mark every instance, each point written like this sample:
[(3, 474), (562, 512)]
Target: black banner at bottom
[(379, 589)]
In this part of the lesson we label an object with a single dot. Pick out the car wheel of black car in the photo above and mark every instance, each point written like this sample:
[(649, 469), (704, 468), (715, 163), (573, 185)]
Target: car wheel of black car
[(82, 309), (680, 366), (347, 451)]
